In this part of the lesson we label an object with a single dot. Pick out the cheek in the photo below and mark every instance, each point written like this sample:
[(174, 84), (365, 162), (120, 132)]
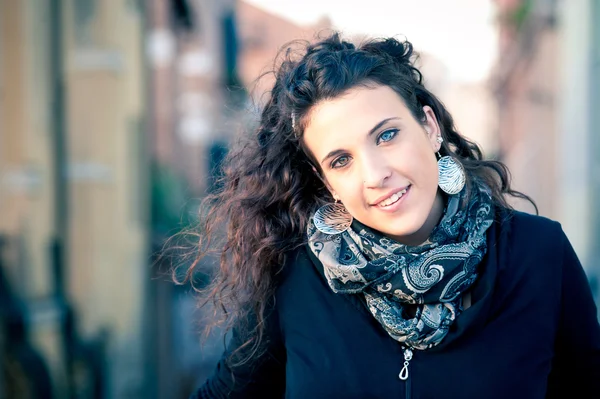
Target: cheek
[(347, 187), (420, 166), (432, 171)]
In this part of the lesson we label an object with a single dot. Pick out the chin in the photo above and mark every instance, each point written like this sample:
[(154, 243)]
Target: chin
[(399, 234)]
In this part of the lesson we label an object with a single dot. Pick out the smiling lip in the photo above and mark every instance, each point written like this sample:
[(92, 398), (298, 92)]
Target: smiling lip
[(396, 206), (388, 195)]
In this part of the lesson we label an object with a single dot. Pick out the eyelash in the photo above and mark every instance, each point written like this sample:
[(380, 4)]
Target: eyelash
[(378, 141), (335, 162), (394, 131)]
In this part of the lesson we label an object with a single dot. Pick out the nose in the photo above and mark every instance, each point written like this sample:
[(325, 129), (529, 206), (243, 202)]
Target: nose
[(376, 170)]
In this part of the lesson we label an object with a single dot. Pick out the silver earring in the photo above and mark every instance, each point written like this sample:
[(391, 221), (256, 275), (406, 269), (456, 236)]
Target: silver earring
[(332, 218), (451, 175)]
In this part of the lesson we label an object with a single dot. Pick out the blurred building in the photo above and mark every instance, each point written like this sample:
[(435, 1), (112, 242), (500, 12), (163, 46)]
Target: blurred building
[(73, 209), (112, 114), (547, 85)]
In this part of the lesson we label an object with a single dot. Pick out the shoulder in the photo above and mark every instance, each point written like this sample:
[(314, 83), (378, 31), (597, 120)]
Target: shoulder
[(527, 257), (302, 273), (296, 265), (527, 240), (524, 220), (523, 228), (292, 259)]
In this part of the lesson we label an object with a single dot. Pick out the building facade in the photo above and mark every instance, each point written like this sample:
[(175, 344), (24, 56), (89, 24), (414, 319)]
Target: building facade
[(74, 224), (547, 90)]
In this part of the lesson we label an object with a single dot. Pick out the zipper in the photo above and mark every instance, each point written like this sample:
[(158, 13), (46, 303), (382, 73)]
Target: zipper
[(408, 355)]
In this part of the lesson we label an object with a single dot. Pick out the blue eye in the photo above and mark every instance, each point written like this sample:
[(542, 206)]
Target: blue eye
[(340, 162), (386, 136)]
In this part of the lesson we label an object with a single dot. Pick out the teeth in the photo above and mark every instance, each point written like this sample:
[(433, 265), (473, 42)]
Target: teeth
[(395, 197)]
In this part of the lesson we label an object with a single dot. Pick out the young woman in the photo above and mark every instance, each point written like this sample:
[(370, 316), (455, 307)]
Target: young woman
[(370, 251)]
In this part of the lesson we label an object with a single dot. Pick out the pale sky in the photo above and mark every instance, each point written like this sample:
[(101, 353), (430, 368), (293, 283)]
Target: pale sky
[(460, 33)]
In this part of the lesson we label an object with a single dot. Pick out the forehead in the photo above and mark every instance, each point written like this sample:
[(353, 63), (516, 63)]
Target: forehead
[(343, 120)]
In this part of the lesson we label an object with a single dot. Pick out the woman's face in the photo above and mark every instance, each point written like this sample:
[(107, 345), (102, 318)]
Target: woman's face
[(379, 161)]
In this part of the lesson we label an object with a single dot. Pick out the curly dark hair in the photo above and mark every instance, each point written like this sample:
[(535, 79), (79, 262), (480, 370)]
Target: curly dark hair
[(272, 185)]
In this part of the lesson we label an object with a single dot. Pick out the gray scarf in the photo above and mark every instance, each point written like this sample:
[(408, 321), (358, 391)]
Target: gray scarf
[(430, 277)]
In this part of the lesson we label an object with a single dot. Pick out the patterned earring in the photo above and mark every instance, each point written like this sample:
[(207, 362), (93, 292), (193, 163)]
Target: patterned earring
[(332, 218), (451, 175)]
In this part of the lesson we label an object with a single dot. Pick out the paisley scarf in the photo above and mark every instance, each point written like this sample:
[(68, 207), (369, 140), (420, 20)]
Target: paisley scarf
[(429, 278)]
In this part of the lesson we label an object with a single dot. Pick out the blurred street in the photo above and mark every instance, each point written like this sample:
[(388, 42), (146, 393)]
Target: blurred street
[(115, 116)]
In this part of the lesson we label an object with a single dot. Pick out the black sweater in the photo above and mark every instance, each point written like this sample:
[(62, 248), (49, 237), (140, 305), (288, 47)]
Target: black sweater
[(531, 332)]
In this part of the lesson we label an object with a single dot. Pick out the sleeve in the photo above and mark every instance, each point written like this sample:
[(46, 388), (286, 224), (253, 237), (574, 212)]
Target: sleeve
[(576, 366), (259, 377)]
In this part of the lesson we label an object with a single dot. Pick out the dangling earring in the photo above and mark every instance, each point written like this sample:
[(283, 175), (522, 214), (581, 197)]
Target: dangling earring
[(332, 218), (451, 175)]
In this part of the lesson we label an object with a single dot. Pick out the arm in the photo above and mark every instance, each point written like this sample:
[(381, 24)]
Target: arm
[(259, 377), (576, 367)]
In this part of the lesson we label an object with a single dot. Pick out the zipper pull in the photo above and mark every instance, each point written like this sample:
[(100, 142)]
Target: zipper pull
[(407, 357)]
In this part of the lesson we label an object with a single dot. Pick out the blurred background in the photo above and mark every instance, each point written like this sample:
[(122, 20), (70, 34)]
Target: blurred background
[(115, 115)]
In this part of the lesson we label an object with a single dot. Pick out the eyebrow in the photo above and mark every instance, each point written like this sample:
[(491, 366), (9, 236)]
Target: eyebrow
[(373, 130)]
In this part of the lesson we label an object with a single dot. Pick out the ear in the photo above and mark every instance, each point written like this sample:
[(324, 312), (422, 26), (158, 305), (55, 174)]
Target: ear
[(432, 128)]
